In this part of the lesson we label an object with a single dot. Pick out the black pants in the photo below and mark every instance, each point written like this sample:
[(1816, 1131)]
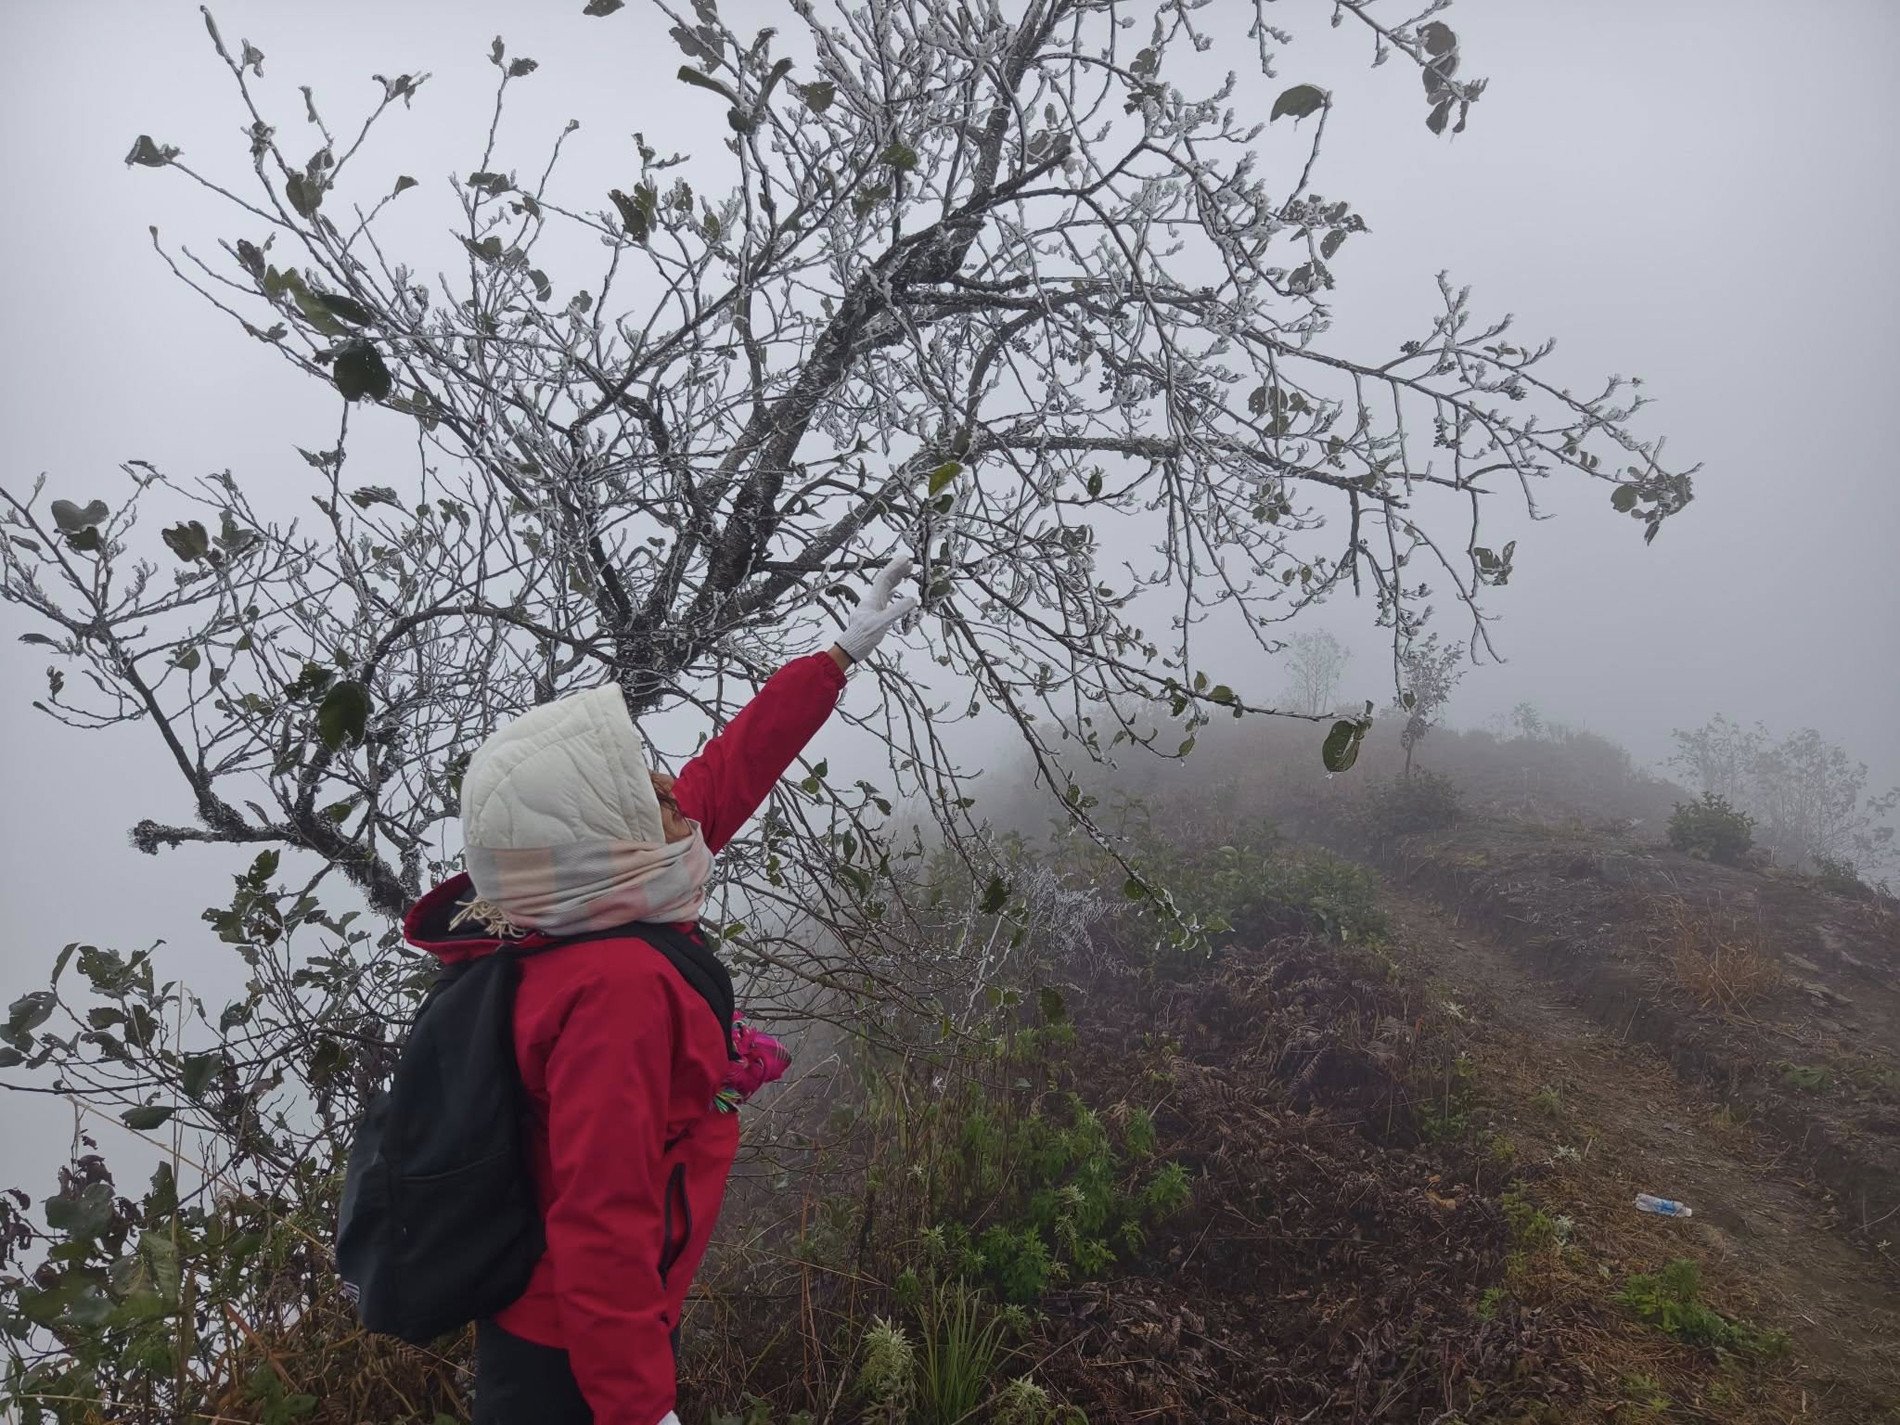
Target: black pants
[(520, 1383)]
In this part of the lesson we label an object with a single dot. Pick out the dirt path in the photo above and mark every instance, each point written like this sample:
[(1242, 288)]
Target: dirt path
[(1563, 1085)]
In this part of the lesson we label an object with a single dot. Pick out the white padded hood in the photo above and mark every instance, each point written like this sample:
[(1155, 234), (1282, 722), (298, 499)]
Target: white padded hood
[(573, 770)]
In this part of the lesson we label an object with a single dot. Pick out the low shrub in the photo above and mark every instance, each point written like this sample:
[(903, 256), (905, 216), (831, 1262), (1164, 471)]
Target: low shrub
[(1841, 876), (1807, 1078), (1059, 1200), (1257, 886), (1711, 829), (1023, 1402), (887, 1373), (1404, 806), (1671, 1301)]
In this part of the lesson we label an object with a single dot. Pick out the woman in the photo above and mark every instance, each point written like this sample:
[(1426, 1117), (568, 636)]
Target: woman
[(627, 1073)]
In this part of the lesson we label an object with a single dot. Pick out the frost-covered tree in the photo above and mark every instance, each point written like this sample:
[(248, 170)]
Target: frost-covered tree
[(1029, 291), (994, 287)]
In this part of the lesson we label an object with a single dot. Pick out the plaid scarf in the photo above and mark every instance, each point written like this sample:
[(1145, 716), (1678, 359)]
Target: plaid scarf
[(593, 885)]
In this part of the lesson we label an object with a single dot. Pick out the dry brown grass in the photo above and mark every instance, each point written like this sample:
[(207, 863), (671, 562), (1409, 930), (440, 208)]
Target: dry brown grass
[(1718, 958)]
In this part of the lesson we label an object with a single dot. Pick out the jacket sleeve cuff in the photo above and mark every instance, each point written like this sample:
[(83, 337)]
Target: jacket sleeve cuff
[(828, 666)]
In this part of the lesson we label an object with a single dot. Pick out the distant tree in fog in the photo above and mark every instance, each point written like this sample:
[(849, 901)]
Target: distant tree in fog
[(1807, 795), (1315, 662), (1428, 671), (1720, 756)]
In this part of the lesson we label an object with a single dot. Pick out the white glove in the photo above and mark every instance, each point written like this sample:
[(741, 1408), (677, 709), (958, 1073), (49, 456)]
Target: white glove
[(878, 612)]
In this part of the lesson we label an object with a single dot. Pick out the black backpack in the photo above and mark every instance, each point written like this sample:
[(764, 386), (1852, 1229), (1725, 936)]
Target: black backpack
[(438, 1225)]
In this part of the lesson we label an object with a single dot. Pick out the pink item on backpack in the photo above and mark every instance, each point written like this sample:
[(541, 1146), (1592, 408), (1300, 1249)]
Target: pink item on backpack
[(762, 1060)]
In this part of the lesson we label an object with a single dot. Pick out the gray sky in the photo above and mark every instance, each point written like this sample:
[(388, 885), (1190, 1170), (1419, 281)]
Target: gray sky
[(1702, 192)]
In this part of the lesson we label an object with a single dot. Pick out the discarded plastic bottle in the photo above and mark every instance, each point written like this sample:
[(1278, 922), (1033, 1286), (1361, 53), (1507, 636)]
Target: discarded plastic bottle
[(1662, 1206)]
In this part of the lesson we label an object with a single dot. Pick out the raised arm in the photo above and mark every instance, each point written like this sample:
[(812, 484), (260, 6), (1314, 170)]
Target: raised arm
[(735, 772)]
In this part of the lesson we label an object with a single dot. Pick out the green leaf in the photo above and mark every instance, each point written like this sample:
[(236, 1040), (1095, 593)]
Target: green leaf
[(161, 1255), (488, 250), (359, 371), (1623, 498), (162, 1201), (995, 896), (188, 540), (1132, 889), (519, 67), (29, 1012), (343, 714), (638, 212), (702, 45), (198, 1072), (602, 7), (1299, 101), (689, 75), (1438, 38), (899, 155), (1049, 1001), (187, 658), (1341, 748), (305, 193), (39, 638), (149, 154), (403, 183), (146, 1116), (374, 495), (84, 1214), (819, 95), (1222, 694), (348, 308), (86, 539), (314, 310), (72, 520), (231, 539), (943, 475)]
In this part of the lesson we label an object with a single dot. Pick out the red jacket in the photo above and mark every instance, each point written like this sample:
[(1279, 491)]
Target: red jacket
[(621, 1060)]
